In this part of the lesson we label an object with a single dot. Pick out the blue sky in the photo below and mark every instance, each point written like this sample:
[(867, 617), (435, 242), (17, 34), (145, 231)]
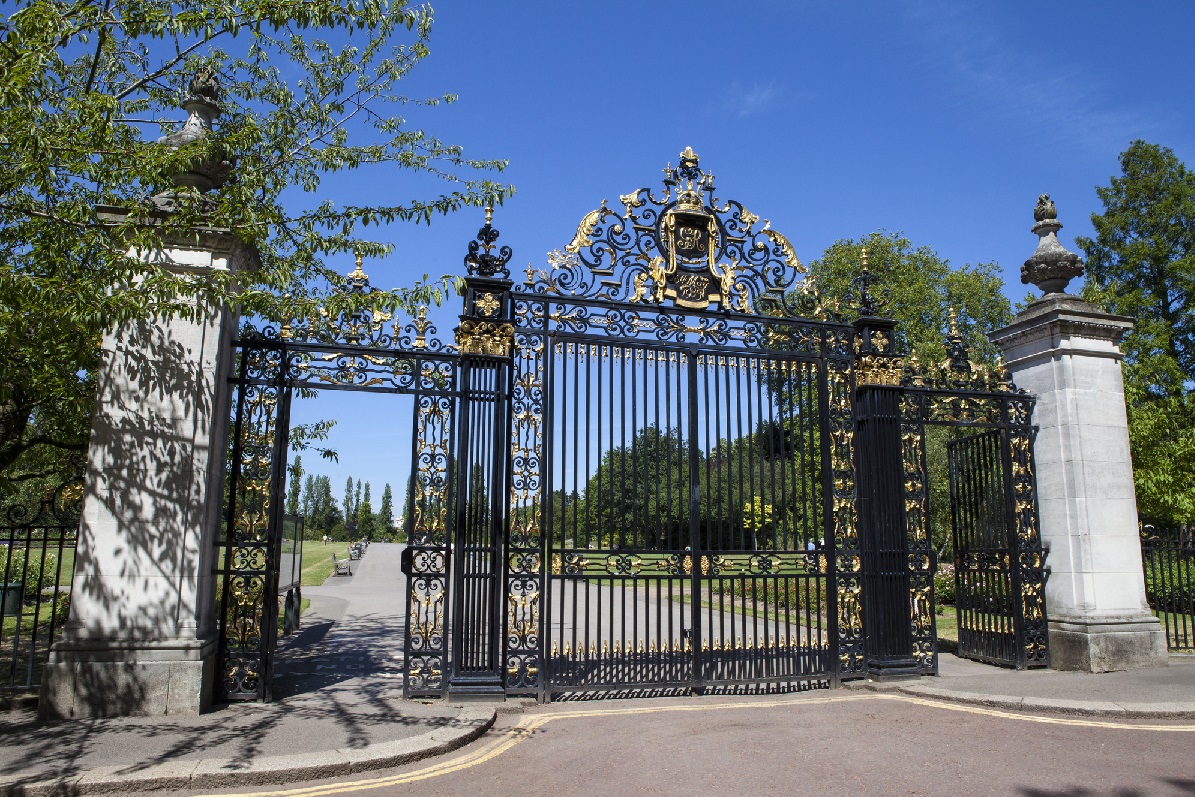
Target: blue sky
[(943, 120)]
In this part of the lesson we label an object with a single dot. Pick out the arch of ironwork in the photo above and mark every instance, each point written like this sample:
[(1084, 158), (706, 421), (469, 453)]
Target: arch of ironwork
[(361, 349)]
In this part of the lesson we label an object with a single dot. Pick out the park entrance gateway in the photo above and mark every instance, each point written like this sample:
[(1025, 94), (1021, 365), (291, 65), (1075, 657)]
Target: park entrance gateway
[(661, 463)]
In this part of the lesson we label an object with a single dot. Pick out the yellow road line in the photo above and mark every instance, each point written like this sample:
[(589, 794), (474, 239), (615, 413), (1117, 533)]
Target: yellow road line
[(525, 728)]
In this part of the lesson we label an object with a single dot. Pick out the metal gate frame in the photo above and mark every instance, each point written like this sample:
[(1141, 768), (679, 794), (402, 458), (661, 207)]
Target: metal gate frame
[(360, 349), (959, 393), (682, 272)]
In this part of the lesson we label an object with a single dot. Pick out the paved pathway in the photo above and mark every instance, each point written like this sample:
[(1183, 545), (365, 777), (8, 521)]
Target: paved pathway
[(353, 632), (338, 705)]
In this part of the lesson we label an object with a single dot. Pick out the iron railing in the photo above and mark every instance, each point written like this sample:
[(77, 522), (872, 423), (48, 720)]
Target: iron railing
[(1168, 557), (37, 557)]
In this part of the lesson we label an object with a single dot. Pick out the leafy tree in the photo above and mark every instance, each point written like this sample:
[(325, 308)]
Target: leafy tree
[(307, 89), (350, 520), (350, 508), (1142, 263), (385, 516), (307, 502), (324, 514), (366, 524), (923, 287), (296, 480)]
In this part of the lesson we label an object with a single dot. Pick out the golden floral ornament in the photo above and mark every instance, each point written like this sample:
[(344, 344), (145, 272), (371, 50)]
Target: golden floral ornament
[(487, 304)]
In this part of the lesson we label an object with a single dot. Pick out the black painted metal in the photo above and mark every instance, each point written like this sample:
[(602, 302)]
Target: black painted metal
[(988, 588), (1168, 558), (290, 588), (698, 558), (37, 548), (358, 350), (650, 469), (883, 533)]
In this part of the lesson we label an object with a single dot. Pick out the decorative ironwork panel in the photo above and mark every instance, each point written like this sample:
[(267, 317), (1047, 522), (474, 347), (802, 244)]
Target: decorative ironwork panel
[(922, 561), (848, 559), (525, 541), (247, 605), (428, 523), (686, 517), (686, 247), (1028, 545)]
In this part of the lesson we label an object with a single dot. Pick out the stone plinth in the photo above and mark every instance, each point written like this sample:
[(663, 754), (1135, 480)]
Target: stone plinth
[(1065, 351), (141, 638)]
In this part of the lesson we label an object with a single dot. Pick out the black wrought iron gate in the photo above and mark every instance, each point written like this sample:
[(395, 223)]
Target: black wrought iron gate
[(999, 560), (697, 557), (637, 470), (988, 592), (360, 349)]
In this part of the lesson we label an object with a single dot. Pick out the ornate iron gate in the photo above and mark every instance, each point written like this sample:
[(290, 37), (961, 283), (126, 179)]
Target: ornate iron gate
[(987, 589), (637, 469), (360, 350), (681, 458), (999, 561)]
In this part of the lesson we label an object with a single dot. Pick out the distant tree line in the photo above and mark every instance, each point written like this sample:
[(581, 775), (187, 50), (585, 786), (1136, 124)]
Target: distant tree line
[(310, 497)]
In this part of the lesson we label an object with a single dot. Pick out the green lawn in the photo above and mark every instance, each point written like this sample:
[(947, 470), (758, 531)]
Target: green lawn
[(947, 625), (43, 620), (317, 561)]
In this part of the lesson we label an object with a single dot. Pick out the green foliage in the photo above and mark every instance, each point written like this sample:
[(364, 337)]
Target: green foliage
[(32, 569), (62, 608), (944, 586), (309, 89), (296, 480), (1142, 264), (385, 516), (924, 288), (751, 495), (366, 524)]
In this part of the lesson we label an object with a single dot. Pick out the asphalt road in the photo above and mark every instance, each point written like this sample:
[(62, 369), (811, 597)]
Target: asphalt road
[(823, 743)]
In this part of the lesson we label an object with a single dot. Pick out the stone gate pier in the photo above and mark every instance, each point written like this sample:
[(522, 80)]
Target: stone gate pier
[(141, 637), (1066, 352)]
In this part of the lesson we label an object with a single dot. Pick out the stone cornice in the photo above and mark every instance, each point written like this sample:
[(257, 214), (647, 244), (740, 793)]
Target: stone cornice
[(219, 241), (1064, 316)]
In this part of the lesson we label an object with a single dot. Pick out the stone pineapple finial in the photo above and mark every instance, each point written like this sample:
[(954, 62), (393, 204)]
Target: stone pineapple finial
[(1052, 266)]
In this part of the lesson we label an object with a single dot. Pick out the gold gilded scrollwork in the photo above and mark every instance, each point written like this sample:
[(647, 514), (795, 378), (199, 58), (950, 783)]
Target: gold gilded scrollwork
[(878, 370)]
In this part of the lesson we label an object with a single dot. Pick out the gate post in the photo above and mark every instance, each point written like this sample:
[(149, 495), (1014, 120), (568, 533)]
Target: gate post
[(1066, 352), (485, 337), (879, 463)]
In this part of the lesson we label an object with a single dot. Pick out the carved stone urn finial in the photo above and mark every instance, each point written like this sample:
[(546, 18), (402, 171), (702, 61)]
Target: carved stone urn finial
[(202, 104), (1052, 266)]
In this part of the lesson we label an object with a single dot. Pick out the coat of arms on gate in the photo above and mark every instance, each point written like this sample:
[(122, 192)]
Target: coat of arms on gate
[(684, 246)]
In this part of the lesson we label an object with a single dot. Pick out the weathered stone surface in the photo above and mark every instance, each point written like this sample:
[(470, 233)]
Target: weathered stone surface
[(1065, 351), (141, 634)]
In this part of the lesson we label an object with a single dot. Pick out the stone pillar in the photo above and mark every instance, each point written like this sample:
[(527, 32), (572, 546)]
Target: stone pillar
[(141, 638), (1065, 351)]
